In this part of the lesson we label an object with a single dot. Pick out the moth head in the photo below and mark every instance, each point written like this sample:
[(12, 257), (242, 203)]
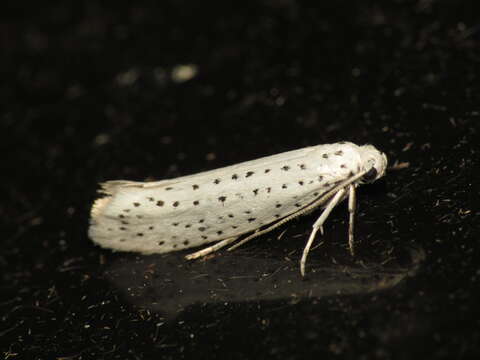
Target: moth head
[(374, 163)]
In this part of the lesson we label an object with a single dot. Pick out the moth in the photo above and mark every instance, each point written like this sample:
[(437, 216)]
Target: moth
[(232, 205)]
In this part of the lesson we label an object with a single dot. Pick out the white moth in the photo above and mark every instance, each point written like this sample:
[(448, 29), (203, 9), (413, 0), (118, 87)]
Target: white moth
[(222, 205)]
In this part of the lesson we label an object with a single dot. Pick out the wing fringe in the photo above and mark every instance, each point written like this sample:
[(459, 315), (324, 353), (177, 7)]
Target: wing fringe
[(112, 186)]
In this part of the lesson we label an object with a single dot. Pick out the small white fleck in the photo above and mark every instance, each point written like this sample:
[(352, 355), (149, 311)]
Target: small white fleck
[(356, 72), (128, 77), (74, 91), (36, 221), (166, 140), (398, 92), (210, 156), (182, 73), (280, 101), (101, 139)]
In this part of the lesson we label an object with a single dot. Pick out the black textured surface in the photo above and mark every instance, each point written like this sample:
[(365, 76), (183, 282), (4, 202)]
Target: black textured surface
[(87, 95)]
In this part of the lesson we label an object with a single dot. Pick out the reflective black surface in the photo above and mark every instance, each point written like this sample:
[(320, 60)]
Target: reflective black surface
[(91, 93)]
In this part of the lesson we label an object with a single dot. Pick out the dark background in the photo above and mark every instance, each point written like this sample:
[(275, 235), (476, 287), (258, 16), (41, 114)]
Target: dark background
[(87, 95)]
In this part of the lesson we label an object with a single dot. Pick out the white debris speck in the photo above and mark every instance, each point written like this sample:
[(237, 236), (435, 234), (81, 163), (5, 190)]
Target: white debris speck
[(182, 73), (101, 139), (128, 77)]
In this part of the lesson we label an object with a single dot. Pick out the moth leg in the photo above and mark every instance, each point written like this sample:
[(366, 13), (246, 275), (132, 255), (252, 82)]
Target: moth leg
[(318, 225), (211, 249), (257, 233), (352, 201)]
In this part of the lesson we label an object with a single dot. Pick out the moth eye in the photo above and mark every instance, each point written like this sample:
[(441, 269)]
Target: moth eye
[(370, 175)]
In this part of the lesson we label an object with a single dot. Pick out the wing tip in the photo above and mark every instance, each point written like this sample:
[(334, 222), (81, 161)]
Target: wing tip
[(98, 206), (110, 187)]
